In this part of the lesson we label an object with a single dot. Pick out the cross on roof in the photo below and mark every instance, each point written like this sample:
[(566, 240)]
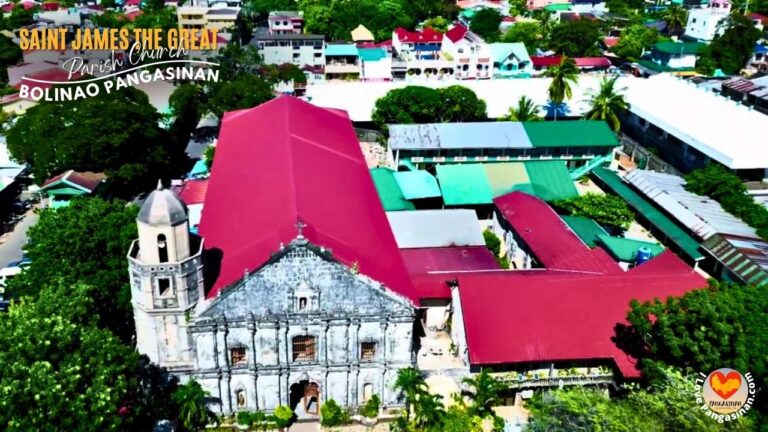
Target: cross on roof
[(300, 227)]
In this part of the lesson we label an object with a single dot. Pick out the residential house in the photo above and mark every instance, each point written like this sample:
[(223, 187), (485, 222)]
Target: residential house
[(511, 60), (759, 60), (706, 22), (219, 16), (418, 54), (471, 54), (60, 189), (360, 34), (584, 64), (342, 61), (670, 56), (299, 49), (285, 22), (375, 64)]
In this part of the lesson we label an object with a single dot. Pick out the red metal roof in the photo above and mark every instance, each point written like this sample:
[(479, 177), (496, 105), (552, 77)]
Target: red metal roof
[(539, 61), (427, 35), (441, 259), (87, 180), (193, 191), (610, 41), (54, 74), (548, 316), (550, 240), (456, 33), (591, 62), (287, 161)]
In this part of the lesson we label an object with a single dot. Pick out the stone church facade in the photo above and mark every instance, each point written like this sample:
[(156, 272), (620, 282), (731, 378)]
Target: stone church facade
[(301, 329)]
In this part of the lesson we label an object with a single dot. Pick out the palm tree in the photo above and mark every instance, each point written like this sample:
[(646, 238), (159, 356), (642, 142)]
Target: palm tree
[(410, 382), (526, 111), (607, 103), (486, 393), (193, 411), (563, 75), (676, 17), (428, 411)]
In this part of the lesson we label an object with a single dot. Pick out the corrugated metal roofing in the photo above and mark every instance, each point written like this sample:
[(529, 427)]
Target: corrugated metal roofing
[(417, 184), (746, 258), (625, 249), (700, 214), (587, 229), (436, 228), (506, 177), (464, 184), (551, 180), (445, 260), (372, 54), (571, 133), (346, 50), (677, 235), (459, 136), (389, 192)]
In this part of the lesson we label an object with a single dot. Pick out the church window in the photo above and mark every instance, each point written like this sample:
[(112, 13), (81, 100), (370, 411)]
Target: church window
[(162, 248), (164, 287), (367, 351), (367, 391), (237, 356), (302, 303), (303, 348), (240, 399)]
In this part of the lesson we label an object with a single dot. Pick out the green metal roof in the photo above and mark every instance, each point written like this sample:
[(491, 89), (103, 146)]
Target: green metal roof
[(506, 177), (624, 249), (571, 133), (557, 7), (389, 192), (349, 50), (587, 229), (670, 47), (417, 184), (551, 180), (464, 184), (371, 54), (675, 233)]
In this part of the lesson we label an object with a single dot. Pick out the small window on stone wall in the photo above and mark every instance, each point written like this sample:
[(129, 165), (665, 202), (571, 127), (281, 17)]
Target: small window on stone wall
[(367, 351), (240, 398), (164, 287), (303, 348), (302, 303), (237, 356)]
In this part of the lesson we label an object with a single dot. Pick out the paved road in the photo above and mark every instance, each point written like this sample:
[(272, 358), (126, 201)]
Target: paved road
[(10, 249)]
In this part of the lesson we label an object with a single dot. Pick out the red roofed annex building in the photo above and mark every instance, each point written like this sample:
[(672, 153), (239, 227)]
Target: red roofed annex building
[(295, 291), (307, 296)]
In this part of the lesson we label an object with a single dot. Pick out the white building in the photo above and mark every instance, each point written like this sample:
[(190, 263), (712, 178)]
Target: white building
[(470, 52), (285, 22), (706, 22), (299, 49)]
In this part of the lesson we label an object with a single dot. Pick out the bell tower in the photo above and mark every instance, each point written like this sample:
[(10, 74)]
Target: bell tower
[(166, 279)]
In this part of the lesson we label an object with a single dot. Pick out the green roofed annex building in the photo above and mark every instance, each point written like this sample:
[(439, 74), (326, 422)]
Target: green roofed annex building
[(425, 145)]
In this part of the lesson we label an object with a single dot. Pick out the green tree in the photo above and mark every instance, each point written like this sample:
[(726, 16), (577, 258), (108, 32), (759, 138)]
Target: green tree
[(84, 242), (283, 416), (576, 38), (407, 105), (116, 133), (428, 411), (563, 75), (624, 7), (528, 33), (10, 54), (607, 104), (187, 103), (731, 50), (371, 407), (245, 91), (608, 210), (194, 414), (457, 418), (438, 23), (261, 8), (525, 111), (486, 24), (331, 414), (460, 104), (411, 383), (634, 39), (60, 371), (675, 17), (486, 393), (235, 61)]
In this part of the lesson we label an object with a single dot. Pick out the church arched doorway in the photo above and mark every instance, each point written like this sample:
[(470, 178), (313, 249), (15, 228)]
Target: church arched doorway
[(305, 398)]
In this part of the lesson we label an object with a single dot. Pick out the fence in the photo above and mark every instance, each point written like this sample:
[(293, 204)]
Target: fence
[(644, 158)]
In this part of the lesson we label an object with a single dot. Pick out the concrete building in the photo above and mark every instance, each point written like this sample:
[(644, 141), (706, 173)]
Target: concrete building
[(299, 49), (220, 16), (510, 60), (342, 61), (673, 57), (375, 64), (706, 22), (471, 54), (285, 22), (296, 308)]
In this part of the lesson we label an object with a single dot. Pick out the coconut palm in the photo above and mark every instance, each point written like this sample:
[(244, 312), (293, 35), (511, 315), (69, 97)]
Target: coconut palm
[(428, 411), (193, 411), (410, 382), (563, 75), (486, 392), (525, 111), (676, 17), (607, 104)]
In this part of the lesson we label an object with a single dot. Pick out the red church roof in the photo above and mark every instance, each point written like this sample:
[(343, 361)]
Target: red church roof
[(456, 33), (427, 35), (193, 191), (52, 75), (552, 242), (549, 316), (287, 161), (540, 61)]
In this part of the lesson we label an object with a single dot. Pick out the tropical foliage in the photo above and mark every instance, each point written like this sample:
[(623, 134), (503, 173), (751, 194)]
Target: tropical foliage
[(607, 104), (576, 38), (607, 210), (525, 111), (634, 40), (331, 414), (528, 33), (486, 393), (563, 76), (486, 24), (416, 104), (675, 17), (194, 414), (731, 50)]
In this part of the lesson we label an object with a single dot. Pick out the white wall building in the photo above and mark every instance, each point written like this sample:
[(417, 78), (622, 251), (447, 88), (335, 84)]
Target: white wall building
[(706, 22)]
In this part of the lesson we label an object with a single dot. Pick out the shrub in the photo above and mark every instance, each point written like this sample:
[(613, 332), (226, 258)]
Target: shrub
[(283, 416), (492, 242), (371, 407), (607, 210), (244, 418), (331, 414)]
